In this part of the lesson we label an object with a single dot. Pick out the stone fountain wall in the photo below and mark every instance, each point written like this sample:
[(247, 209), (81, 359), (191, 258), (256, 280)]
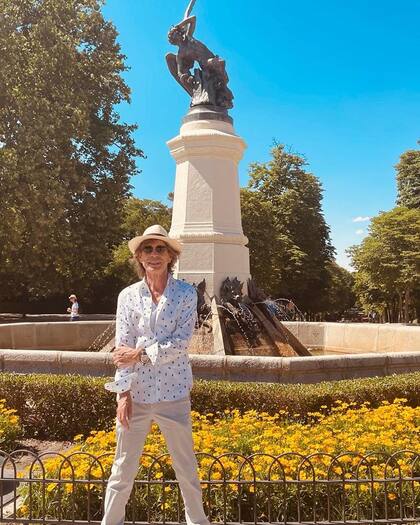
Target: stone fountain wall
[(393, 349), (230, 368), (335, 338), (357, 338), (75, 335)]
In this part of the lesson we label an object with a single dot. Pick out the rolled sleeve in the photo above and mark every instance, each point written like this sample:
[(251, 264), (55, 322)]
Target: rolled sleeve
[(122, 383), (166, 350)]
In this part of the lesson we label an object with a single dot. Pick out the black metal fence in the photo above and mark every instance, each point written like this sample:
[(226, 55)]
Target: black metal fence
[(346, 489)]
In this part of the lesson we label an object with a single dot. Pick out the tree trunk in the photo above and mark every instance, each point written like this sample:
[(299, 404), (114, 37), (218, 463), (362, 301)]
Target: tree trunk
[(407, 305), (399, 309)]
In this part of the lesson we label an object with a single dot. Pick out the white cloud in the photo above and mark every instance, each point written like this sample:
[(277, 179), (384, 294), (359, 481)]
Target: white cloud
[(360, 231), (361, 219)]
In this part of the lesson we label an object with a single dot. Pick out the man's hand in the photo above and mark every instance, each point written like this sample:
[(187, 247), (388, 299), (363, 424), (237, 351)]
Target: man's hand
[(125, 356), (125, 409)]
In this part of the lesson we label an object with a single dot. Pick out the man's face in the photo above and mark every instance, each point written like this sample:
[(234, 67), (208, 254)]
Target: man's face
[(154, 256)]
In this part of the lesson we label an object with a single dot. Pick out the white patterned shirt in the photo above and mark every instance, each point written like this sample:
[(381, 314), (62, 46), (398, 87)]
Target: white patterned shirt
[(74, 311), (168, 375)]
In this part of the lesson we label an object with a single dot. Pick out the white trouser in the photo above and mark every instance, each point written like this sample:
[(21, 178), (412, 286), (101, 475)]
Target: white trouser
[(174, 420)]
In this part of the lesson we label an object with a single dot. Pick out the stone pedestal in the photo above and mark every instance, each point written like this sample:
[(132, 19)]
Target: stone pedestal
[(206, 214)]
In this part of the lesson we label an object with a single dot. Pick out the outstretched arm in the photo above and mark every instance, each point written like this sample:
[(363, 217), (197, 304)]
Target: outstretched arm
[(192, 20), (189, 9), (187, 25)]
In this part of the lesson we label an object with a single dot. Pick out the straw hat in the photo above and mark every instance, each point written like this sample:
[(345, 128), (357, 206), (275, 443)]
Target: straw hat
[(72, 296), (154, 232)]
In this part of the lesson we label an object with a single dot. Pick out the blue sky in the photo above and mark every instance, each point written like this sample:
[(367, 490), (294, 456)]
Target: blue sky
[(337, 81)]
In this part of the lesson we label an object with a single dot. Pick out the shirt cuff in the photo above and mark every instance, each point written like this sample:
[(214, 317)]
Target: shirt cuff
[(152, 352), (121, 385)]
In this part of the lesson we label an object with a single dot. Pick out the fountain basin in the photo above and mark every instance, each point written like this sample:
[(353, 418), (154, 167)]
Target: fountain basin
[(356, 338), (357, 350), (322, 338), (229, 368), (75, 335)]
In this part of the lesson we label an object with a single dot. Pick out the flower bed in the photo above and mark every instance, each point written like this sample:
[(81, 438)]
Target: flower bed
[(245, 450), (59, 407), (10, 428)]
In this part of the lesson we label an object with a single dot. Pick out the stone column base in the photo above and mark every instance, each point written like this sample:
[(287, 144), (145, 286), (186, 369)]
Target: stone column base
[(213, 262)]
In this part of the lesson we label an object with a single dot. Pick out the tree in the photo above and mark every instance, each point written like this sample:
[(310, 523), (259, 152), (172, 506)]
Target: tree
[(408, 179), (65, 157), (289, 240), (268, 247), (339, 296), (138, 215), (388, 264)]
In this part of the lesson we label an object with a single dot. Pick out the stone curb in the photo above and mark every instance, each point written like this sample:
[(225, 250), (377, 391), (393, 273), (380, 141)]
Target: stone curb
[(232, 368)]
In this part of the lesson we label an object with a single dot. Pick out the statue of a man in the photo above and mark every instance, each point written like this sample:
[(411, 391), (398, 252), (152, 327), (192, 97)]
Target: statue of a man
[(206, 84)]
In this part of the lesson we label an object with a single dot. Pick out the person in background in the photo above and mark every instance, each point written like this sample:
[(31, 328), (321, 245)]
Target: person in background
[(154, 325), (74, 309)]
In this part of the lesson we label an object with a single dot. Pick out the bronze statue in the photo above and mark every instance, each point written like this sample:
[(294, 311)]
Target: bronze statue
[(238, 312), (207, 85), (203, 309)]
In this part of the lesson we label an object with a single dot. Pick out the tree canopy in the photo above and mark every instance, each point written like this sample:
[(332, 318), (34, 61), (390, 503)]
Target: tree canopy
[(339, 295), (138, 215), (65, 157), (408, 179), (289, 240), (387, 264)]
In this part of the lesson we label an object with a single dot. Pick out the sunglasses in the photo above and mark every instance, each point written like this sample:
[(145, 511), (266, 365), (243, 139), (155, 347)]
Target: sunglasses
[(161, 248)]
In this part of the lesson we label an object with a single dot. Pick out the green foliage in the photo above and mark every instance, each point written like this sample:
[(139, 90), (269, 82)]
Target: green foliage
[(303, 398), (60, 407), (138, 215), (65, 157), (268, 247), (339, 296), (289, 240), (388, 264), (57, 407), (10, 429), (408, 179)]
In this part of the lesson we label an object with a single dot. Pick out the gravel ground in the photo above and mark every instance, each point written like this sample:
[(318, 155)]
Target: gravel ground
[(28, 447)]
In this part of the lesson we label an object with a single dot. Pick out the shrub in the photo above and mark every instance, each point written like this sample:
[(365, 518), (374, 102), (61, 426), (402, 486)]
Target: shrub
[(59, 407), (10, 429), (345, 429)]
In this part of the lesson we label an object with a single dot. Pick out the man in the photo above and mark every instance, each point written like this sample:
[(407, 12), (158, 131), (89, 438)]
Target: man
[(154, 324)]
